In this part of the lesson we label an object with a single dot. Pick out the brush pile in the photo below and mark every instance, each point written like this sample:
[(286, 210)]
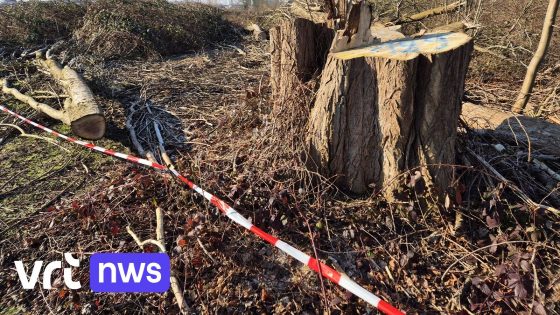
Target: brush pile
[(37, 23), (139, 29), (115, 29)]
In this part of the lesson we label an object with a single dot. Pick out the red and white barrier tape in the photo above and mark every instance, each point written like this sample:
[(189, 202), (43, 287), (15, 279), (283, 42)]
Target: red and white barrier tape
[(327, 272)]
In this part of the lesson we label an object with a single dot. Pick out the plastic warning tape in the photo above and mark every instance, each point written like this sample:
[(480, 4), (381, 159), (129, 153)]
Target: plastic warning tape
[(324, 270)]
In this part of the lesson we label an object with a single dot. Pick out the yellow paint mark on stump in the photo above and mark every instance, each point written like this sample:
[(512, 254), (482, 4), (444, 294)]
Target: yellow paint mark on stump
[(408, 48)]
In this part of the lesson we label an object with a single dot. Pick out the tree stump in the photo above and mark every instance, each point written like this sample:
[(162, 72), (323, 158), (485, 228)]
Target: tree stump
[(298, 51), (388, 107)]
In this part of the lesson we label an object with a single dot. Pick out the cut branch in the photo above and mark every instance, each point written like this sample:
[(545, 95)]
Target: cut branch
[(160, 243), (516, 190), (432, 12), (81, 111), (25, 134), (40, 107)]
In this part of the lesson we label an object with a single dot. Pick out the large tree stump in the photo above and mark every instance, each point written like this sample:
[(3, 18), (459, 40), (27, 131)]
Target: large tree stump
[(387, 108), (298, 51)]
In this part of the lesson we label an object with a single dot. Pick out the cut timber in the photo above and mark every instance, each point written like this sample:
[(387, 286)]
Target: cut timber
[(431, 12), (80, 108), (258, 33), (388, 108), (40, 107), (309, 12), (298, 50), (543, 136)]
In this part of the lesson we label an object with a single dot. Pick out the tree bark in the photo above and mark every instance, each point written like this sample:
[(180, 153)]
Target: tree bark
[(388, 108), (439, 93), (298, 50), (293, 56), (80, 108), (546, 36)]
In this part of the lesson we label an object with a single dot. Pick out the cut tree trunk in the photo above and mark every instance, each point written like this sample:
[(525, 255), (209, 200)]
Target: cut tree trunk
[(258, 33), (298, 51), (542, 136), (387, 108), (80, 108)]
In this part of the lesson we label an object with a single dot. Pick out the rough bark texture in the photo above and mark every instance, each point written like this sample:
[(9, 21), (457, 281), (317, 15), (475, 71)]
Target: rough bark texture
[(374, 118), (298, 51), (358, 130), (541, 135), (80, 108), (437, 106)]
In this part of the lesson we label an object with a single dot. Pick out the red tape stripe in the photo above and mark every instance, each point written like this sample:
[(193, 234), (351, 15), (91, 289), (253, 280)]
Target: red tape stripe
[(317, 266), (324, 270)]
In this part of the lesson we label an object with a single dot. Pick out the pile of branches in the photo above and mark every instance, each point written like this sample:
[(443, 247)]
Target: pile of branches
[(115, 29), (36, 23), (138, 29)]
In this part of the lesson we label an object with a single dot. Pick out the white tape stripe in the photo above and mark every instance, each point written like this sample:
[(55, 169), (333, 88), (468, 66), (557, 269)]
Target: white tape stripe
[(199, 190), (121, 155), (238, 218), (32, 123), (145, 162), (294, 252), (358, 290), (203, 192)]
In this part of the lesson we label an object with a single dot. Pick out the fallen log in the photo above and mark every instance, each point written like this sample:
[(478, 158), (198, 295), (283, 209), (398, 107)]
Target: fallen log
[(538, 134), (431, 12), (258, 33), (80, 111), (388, 107)]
